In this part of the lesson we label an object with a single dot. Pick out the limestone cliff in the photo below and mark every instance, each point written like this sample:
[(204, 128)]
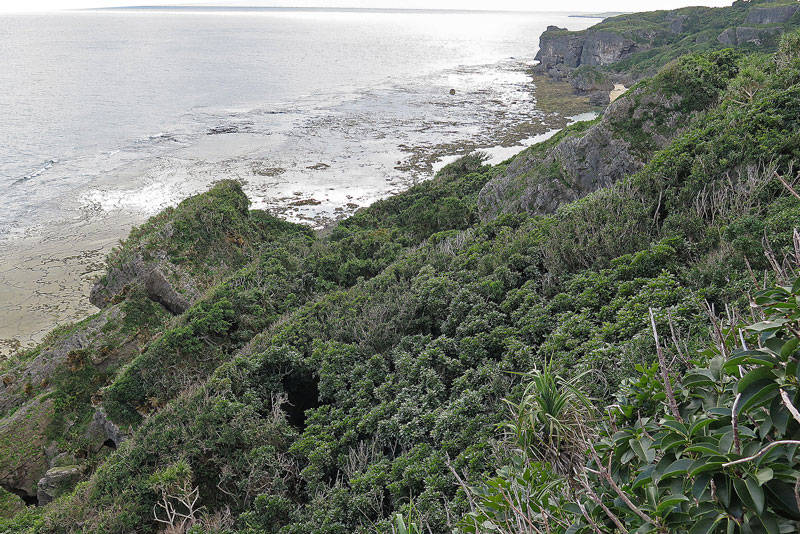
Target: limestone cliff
[(639, 44)]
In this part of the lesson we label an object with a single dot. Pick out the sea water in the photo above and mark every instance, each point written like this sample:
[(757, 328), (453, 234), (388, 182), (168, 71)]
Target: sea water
[(135, 110)]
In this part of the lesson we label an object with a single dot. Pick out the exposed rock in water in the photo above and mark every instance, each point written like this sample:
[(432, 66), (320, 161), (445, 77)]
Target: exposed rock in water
[(57, 481)]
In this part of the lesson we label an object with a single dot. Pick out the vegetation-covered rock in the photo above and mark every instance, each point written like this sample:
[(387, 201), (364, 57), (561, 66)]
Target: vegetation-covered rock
[(587, 157)]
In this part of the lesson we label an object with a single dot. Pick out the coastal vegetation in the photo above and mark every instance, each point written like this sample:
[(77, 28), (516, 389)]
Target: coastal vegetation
[(458, 357)]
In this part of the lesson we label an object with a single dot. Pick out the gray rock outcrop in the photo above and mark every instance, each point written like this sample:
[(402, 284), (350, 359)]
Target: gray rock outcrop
[(25, 458), (57, 481), (162, 281), (771, 14), (557, 46), (538, 181), (583, 163), (101, 430), (743, 35), (36, 373)]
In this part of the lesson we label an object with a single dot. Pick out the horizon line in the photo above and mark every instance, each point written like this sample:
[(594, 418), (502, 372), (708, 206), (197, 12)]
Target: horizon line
[(320, 9)]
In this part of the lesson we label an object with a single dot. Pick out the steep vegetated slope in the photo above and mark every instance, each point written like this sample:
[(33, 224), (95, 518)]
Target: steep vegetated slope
[(323, 383), (590, 156)]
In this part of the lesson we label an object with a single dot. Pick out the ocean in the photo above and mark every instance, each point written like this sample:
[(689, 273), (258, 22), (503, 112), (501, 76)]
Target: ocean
[(137, 109)]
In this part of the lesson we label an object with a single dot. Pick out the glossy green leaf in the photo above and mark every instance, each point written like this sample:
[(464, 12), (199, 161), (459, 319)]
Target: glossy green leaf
[(757, 374), (677, 468), (670, 502)]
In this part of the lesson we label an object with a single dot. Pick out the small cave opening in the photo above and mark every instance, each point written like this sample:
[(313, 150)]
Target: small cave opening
[(110, 444), (303, 395), (28, 499)]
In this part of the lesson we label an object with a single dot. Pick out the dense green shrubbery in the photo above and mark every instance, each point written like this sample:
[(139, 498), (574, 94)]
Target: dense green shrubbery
[(715, 451)]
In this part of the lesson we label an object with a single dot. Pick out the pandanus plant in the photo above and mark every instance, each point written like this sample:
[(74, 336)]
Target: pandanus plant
[(549, 423)]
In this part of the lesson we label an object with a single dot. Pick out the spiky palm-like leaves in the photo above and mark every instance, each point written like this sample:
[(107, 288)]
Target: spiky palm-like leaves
[(549, 423)]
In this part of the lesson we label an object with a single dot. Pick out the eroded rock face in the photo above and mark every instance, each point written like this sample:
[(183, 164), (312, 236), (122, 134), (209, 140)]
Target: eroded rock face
[(677, 22), (18, 383), (584, 163), (57, 481), (557, 46), (771, 15), (101, 430), (23, 455), (163, 282), (539, 182), (587, 81), (604, 48), (743, 35)]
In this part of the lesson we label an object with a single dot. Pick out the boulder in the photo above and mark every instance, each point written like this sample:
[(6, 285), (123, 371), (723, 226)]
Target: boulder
[(587, 80), (57, 481), (600, 98)]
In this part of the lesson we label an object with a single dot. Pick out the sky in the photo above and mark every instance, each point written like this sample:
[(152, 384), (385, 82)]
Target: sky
[(521, 5)]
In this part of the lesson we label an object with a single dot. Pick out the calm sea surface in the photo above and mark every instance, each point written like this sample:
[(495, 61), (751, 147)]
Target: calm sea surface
[(134, 110)]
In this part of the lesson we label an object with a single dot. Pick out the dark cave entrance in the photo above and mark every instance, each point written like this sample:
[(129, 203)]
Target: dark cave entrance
[(303, 395), (28, 499)]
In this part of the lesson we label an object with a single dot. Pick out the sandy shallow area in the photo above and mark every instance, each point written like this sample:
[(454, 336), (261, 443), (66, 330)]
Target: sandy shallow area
[(46, 275)]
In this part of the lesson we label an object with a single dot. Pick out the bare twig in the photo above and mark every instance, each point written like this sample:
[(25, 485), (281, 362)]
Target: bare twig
[(676, 341), (717, 330), (750, 270), (591, 521), (592, 495), (763, 451), (789, 406), (787, 186), (737, 444), (797, 492), (606, 475), (673, 406)]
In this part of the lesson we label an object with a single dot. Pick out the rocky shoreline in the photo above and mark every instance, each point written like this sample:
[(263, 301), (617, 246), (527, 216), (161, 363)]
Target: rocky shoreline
[(49, 271)]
